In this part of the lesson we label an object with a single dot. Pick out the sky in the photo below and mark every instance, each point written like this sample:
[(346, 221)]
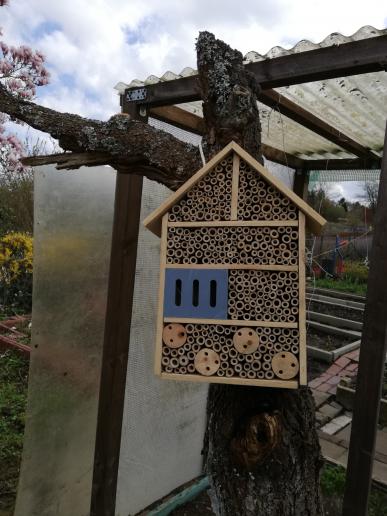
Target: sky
[(90, 45)]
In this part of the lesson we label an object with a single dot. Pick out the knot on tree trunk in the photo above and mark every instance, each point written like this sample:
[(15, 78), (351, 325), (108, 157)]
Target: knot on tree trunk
[(256, 439)]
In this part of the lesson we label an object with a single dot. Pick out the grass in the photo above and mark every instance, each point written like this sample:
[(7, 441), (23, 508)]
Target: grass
[(332, 483), (354, 279), (13, 394), (344, 285)]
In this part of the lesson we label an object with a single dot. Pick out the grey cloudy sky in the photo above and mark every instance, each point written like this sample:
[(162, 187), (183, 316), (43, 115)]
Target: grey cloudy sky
[(91, 45)]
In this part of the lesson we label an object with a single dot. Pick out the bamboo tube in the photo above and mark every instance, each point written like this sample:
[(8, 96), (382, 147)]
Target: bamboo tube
[(173, 363)]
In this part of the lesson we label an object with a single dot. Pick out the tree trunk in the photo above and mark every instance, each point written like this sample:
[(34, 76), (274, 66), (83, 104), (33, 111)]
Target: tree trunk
[(261, 450)]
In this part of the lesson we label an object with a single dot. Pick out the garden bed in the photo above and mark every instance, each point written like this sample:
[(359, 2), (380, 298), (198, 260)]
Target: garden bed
[(335, 308), (325, 341), (328, 343)]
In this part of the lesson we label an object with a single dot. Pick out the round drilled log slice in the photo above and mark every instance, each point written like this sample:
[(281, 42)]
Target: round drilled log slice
[(285, 365), (174, 335), (207, 362), (246, 340)]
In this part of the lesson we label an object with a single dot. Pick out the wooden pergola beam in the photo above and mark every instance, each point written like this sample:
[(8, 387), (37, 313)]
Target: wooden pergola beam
[(356, 57), (342, 164), (300, 115), (307, 119), (371, 365), (353, 58), (195, 124)]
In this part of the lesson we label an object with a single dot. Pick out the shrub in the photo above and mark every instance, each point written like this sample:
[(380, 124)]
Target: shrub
[(16, 271), (355, 272)]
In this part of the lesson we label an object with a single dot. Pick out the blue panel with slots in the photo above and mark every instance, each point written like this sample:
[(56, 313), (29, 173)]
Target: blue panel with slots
[(196, 293)]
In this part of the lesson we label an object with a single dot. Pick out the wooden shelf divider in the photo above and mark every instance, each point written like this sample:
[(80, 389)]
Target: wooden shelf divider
[(248, 266), (232, 223), (231, 322)]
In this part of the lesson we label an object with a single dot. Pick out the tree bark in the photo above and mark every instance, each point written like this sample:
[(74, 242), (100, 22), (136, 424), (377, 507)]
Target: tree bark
[(126, 144), (261, 450)]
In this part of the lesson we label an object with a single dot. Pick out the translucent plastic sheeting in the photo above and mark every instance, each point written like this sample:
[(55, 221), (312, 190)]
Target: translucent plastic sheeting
[(72, 234), (355, 105), (164, 420)]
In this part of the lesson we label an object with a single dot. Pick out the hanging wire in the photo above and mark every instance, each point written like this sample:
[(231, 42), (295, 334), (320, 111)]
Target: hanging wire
[(277, 108), (202, 153)]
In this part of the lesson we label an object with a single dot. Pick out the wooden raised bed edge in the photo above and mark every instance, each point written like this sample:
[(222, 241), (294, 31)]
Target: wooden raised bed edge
[(332, 356)]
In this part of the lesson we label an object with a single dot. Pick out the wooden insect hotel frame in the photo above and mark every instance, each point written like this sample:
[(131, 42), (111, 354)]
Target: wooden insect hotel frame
[(232, 276)]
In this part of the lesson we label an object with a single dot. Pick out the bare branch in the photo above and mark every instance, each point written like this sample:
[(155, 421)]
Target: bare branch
[(128, 145)]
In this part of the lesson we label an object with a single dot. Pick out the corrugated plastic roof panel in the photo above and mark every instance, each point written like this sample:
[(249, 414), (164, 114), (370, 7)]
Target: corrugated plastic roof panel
[(355, 105)]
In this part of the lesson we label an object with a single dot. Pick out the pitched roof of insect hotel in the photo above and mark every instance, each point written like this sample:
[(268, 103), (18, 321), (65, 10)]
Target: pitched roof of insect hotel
[(314, 221)]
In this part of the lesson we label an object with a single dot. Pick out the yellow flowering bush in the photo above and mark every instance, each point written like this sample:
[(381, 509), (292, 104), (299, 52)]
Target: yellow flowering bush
[(16, 254)]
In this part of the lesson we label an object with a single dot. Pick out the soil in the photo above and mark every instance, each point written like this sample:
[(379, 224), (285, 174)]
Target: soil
[(315, 368), (327, 341), (343, 312)]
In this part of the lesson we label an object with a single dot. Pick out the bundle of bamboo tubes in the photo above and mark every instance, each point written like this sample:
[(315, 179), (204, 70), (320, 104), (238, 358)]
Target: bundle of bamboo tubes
[(263, 295), (209, 199), (229, 351), (233, 245), (257, 200)]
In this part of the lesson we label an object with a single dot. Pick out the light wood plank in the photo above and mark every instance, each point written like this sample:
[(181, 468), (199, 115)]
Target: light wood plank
[(235, 186), (232, 223), (160, 306), (281, 384), (232, 266), (231, 322), (152, 222), (302, 303), (315, 221)]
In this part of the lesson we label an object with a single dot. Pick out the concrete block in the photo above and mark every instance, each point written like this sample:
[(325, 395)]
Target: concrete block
[(330, 411), (331, 450), (322, 419), (320, 397)]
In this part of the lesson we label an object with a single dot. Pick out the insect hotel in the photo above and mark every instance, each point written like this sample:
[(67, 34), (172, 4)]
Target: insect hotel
[(232, 276)]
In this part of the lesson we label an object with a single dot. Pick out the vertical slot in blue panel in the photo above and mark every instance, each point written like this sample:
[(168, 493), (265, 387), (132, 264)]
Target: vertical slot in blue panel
[(196, 293)]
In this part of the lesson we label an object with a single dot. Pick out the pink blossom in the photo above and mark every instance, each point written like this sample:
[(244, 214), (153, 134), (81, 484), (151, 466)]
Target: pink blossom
[(4, 48), (21, 70)]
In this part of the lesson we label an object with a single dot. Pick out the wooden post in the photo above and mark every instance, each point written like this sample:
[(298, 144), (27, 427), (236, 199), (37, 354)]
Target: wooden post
[(301, 182), (116, 340), (371, 365)]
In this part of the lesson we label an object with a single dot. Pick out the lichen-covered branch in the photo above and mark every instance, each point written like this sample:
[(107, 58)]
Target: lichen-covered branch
[(128, 145), (229, 94)]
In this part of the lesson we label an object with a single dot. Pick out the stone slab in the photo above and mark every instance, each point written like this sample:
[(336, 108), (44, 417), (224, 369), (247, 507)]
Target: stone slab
[(381, 442), (330, 411), (320, 397), (336, 424), (331, 450), (379, 471), (321, 419), (345, 433)]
